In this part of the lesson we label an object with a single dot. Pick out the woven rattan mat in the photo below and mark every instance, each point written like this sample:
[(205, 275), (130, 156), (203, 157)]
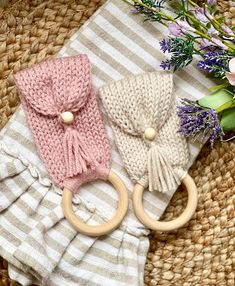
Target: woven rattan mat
[(31, 31), (201, 253)]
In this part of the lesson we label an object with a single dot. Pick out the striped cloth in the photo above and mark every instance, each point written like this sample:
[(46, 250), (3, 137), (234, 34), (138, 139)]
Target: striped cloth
[(40, 245)]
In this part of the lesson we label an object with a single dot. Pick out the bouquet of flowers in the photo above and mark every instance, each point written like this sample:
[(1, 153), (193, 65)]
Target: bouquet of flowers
[(198, 32)]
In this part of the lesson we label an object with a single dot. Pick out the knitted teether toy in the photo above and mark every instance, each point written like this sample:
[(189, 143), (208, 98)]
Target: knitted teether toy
[(142, 112), (63, 113)]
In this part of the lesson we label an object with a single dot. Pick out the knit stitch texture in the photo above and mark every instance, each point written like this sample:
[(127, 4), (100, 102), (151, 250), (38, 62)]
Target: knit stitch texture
[(137, 103), (73, 153)]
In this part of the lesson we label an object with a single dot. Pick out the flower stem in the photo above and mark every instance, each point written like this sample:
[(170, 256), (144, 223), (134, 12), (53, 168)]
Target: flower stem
[(193, 3), (151, 9), (231, 48)]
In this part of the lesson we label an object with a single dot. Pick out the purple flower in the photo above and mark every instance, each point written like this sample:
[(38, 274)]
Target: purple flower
[(196, 121), (228, 31), (185, 25), (212, 57), (215, 42), (232, 3), (205, 44), (175, 29), (211, 2), (165, 65), (180, 27), (207, 12), (219, 43), (215, 62), (165, 45), (199, 14), (204, 66), (212, 32), (134, 10)]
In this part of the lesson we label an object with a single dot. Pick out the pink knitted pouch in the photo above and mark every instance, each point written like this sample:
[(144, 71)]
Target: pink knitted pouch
[(77, 150)]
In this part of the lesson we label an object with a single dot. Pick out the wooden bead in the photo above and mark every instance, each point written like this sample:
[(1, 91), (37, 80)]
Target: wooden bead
[(67, 117), (150, 133)]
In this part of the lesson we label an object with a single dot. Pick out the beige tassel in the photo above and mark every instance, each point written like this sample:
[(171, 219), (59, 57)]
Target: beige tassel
[(162, 177)]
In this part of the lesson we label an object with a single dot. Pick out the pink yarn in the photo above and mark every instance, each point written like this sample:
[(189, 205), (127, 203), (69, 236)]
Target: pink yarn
[(74, 153)]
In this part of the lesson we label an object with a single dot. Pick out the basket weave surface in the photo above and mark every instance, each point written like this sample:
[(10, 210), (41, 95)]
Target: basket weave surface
[(200, 254), (32, 31)]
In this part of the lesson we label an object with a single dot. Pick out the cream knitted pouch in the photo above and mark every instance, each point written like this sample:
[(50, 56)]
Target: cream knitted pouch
[(143, 116), (135, 105)]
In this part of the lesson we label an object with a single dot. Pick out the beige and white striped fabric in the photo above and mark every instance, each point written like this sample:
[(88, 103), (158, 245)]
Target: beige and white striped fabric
[(40, 245)]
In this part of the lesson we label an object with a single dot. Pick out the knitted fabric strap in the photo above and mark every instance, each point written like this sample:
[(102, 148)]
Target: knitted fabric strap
[(63, 113), (142, 111)]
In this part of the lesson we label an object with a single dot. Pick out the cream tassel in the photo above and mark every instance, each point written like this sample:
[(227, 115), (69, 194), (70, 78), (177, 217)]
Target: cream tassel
[(162, 176)]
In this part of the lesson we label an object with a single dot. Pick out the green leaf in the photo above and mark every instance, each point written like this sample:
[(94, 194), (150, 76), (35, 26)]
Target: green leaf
[(216, 87), (218, 100), (225, 106), (228, 119)]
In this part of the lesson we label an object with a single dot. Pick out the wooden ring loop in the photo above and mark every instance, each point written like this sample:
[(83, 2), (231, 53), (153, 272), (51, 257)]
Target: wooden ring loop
[(98, 230), (168, 225)]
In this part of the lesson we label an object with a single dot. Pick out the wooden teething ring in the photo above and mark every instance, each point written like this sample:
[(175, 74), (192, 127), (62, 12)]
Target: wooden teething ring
[(98, 230), (168, 225)]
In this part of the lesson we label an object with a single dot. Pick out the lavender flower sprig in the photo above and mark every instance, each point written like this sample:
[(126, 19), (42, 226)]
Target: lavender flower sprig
[(197, 121), (182, 51), (187, 20), (215, 62), (194, 31)]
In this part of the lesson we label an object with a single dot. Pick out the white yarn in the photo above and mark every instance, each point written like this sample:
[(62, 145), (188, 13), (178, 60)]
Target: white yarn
[(162, 176)]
